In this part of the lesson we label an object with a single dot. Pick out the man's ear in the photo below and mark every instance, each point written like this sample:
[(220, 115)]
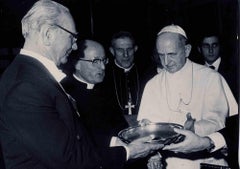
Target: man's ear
[(47, 35), (77, 65), (111, 50), (135, 48), (188, 48)]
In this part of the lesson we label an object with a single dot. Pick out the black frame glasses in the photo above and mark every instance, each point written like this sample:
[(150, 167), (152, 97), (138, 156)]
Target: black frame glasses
[(96, 61), (75, 35)]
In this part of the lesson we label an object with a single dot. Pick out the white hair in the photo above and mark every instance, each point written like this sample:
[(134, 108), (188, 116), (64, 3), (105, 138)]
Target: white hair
[(42, 12)]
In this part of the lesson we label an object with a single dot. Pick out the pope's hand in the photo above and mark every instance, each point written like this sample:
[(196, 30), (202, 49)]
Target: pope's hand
[(191, 142), (141, 147)]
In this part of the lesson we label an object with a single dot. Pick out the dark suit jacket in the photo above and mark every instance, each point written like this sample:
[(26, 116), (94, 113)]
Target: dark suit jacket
[(230, 73), (39, 128), (98, 110), (231, 135)]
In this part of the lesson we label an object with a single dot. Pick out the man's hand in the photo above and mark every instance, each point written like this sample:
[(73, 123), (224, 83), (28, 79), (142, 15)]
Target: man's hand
[(144, 122), (155, 162), (191, 143), (141, 148)]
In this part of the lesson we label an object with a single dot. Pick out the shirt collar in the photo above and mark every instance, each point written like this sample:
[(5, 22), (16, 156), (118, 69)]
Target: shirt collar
[(125, 69), (50, 65), (215, 64), (89, 85)]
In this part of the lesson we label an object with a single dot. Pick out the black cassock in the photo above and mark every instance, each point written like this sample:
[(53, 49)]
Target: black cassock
[(97, 110), (126, 89)]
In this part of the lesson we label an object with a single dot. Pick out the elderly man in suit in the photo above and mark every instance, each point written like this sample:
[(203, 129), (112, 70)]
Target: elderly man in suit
[(39, 127)]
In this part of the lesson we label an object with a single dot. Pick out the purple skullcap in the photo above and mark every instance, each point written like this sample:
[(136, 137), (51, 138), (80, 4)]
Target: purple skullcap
[(173, 29)]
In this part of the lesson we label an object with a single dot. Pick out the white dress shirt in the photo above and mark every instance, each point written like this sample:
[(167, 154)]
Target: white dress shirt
[(49, 64)]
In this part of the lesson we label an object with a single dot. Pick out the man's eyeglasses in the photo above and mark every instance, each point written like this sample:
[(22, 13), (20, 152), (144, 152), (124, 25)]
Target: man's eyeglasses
[(96, 62), (75, 35)]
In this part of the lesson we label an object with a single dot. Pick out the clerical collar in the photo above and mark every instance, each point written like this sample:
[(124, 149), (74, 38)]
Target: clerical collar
[(89, 85), (50, 65), (215, 64), (125, 69)]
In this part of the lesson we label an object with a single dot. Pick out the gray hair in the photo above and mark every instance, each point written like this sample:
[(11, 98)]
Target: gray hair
[(42, 12)]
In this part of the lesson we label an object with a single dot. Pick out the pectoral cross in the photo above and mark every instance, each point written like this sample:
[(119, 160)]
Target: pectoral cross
[(129, 106)]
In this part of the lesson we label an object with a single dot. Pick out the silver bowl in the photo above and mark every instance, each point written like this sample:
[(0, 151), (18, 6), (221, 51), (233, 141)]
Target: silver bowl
[(162, 133)]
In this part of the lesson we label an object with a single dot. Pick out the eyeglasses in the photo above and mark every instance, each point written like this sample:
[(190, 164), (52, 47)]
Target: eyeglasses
[(75, 35), (96, 62)]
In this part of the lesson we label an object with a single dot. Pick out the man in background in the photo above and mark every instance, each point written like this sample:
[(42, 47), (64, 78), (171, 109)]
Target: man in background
[(98, 110), (122, 76), (211, 50)]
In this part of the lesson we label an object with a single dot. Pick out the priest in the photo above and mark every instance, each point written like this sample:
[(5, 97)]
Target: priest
[(96, 108), (122, 76)]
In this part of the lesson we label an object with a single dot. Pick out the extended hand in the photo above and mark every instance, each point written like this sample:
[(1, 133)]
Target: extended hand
[(141, 148), (191, 143)]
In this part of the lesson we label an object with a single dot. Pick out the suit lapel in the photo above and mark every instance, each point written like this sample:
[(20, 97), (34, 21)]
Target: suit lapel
[(42, 71)]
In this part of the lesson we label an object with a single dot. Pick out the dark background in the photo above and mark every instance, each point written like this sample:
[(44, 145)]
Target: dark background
[(99, 19)]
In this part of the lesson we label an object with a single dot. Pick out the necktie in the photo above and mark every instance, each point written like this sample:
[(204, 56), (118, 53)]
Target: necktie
[(212, 67)]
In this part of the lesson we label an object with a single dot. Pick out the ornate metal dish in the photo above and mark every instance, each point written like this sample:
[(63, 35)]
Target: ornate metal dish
[(162, 133)]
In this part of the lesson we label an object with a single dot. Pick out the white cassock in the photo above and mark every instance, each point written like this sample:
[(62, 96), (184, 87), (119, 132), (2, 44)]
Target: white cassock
[(168, 97)]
